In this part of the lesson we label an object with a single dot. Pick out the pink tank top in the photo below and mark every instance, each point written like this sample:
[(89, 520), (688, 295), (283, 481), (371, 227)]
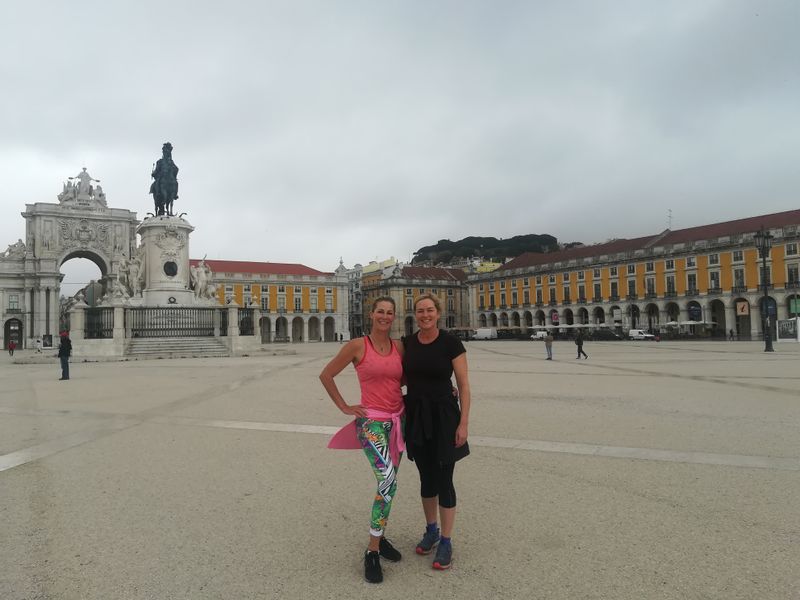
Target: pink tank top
[(380, 377)]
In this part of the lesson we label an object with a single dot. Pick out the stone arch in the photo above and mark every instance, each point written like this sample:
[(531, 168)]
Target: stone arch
[(314, 333), (652, 313), (492, 320), (771, 313), (297, 329), (634, 315), (281, 330), (796, 306), (583, 316), (616, 315), (555, 318), (599, 315), (481, 320), (742, 324), (13, 331), (503, 319), (719, 326), (515, 321), (569, 317), (528, 318), (540, 318), (409, 324), (673, 312), (694, 311), (329, 329), (265, 327), (98, 258)]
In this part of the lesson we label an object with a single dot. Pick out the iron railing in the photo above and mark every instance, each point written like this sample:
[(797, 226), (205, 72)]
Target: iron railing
[(246, 321), (99, 323), (170, 322), (223, 322)]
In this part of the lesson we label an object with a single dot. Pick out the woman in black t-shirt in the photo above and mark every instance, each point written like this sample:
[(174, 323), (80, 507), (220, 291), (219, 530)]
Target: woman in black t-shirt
[(436, 426)]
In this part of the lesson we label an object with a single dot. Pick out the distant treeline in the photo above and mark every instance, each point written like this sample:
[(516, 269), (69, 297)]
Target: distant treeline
[(445, 251)]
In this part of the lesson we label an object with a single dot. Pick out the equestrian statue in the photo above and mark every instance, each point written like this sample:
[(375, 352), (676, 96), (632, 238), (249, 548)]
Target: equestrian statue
[(165, 185)]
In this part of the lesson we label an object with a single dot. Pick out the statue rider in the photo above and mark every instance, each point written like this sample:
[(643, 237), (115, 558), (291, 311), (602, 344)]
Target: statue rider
[(165, 185)]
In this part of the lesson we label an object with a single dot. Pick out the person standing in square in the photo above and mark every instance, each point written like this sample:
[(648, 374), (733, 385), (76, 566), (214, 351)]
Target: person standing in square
[(64, 352)]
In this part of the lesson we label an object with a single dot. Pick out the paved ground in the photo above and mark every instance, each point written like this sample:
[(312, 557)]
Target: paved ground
[(648, 471)]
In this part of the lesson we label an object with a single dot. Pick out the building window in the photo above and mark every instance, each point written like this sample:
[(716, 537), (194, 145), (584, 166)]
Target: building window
[(264, 302), (650, 284), (615, 289), (792, 274), (631, 269), (670, 284), (691, 282), (451, 304), (421, 291), (313, 300), (713, 259), (539, 296), (738, 256), (669, 264), (597, 292), (565, 276), (552, 294), (552, 279), (649, 267), (525, 282), (581, 275), (738, 278), (328, 290), (433, 291), (502, 298), (13, 302), (281, 302), (410, 292), (713, 279), (298, 304), (491, 286), (526, 296), (612, 271), (596, 273), (449, 291), (581, 293), (766, 276), (514, 297), (566, 293), (410, 304), (791, 249), (631, 287), (503, 285), (281, 289), (691, 262), (538, 280)]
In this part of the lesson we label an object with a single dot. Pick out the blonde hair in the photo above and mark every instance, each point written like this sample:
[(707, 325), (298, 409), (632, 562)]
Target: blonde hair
[(436, 302)]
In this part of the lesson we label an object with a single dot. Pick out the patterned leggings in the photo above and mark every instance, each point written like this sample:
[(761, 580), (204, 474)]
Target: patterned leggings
[(374, 437)]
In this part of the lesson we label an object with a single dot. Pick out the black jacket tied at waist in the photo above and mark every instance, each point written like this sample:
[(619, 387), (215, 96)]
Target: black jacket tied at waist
[(433, 420)]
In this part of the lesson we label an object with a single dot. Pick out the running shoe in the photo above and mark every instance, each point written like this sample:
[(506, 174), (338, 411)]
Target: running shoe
[(388, 551), (428, 541), (372, 567), (444, 557)]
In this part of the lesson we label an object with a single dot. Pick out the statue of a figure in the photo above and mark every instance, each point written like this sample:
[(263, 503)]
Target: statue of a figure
[(84, 184), (134, 277), (165, 185), (201, 280)]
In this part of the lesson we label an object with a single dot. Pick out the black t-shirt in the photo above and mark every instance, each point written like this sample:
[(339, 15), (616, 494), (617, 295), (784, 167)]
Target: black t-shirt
[(429, 367)]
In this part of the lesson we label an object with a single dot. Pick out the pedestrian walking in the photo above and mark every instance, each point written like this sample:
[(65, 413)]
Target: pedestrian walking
[(11, 347), (64, 352), (548, 345), (38, 345), (733, 336), (579, 344)]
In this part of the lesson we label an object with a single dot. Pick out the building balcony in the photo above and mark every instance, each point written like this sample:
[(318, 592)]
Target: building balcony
[(581, 300), (566, 302), (313, 310), (650, 296), (513, 305), (613, 298), (714, 291), (282, 311), (632, 296), (491, 307), (691, 293), (526, 305), (739, 289), (791, 285), (597, 299), (553, 303), (503, 307), (539, 304), (670, 294), (14, 311)]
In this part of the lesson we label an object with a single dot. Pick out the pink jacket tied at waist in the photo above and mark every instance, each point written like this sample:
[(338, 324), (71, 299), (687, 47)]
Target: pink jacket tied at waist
[(347, 437)]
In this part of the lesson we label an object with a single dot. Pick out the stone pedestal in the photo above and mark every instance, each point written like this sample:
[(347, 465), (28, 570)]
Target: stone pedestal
[(165, 243)]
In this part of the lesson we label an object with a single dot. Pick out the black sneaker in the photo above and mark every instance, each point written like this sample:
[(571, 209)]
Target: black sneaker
[(388, 551), (372, 567)]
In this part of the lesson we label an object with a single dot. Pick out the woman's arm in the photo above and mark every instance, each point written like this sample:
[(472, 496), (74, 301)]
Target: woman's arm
[(462, 382), (352, 351)]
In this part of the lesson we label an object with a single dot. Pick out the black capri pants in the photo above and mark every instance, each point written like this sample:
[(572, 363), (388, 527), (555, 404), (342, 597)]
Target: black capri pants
[(435, 479)]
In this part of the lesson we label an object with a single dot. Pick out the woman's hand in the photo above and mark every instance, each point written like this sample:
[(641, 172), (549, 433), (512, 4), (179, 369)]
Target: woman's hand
[(461, 435), (354, 409)]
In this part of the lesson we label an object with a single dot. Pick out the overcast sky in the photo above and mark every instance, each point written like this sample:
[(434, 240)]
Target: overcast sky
[(305, 131)]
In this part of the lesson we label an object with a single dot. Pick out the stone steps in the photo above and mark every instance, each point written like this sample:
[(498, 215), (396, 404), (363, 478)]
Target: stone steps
[(187, 347)]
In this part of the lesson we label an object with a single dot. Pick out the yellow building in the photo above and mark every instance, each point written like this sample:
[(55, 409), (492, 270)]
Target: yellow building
[(295, 303), (701, 280)]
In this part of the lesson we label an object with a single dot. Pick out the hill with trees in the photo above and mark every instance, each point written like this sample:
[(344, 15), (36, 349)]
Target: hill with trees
[(445, 251)]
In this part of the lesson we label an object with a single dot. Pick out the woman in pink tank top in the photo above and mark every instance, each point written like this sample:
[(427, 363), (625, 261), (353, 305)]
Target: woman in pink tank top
[(378, 426)]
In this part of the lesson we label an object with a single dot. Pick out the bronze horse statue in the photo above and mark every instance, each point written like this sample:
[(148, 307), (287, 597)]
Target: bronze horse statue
[(165, 185)]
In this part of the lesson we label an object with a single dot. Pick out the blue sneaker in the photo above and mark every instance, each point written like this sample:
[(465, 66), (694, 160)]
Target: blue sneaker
[(428, 541), (444, 557)]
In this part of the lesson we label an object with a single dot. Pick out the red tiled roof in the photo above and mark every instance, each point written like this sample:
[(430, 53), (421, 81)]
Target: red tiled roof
[(434, 273), (690, 234), (254, 268)]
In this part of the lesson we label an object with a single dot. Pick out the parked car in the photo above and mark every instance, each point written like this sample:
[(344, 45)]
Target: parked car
[(486, 333), (640, 334), (604, 334), (539, 335)]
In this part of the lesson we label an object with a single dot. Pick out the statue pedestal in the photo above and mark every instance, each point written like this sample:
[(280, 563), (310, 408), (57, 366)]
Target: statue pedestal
[(165, 241)]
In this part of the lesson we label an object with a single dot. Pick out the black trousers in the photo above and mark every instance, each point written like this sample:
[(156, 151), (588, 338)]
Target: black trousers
[(435, 479)]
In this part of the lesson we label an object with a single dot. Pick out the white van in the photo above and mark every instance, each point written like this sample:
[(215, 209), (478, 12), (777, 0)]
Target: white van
[(640, 334), (539, 335), (486, 333)]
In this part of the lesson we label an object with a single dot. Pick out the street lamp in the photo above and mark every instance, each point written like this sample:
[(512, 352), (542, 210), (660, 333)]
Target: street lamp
[(764, 243)]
